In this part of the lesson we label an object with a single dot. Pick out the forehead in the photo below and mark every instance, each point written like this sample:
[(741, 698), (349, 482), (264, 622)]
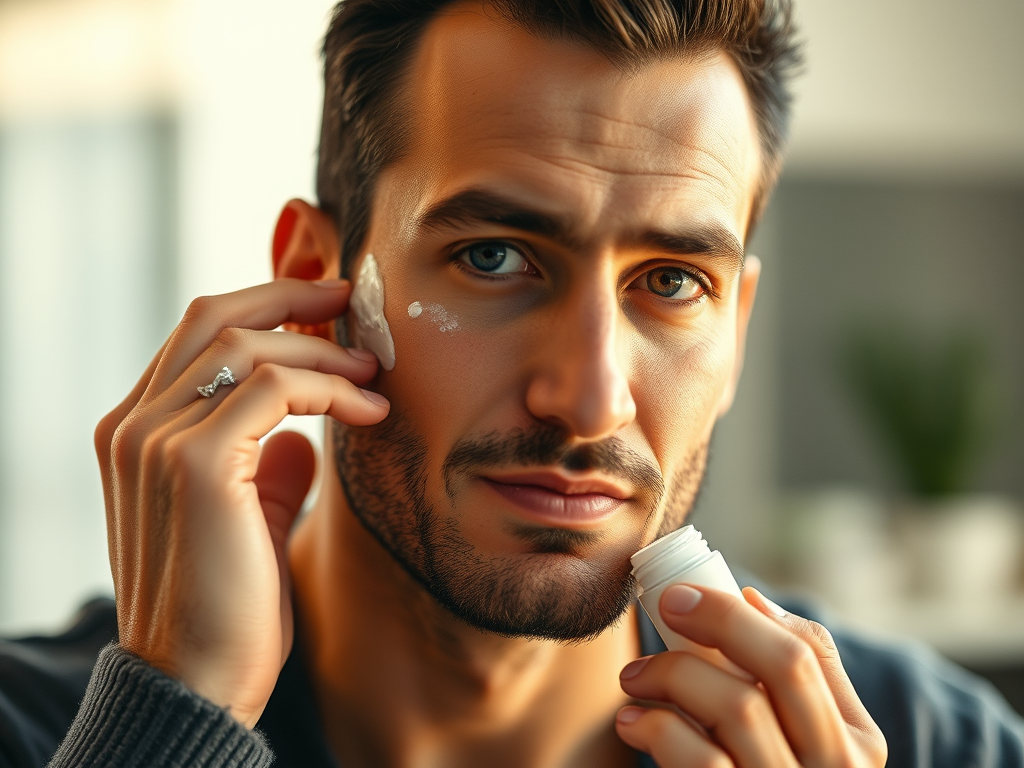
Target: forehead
[(494, 105)]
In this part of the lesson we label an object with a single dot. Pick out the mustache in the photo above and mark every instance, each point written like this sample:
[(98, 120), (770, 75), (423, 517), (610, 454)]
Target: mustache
[(548, 446)]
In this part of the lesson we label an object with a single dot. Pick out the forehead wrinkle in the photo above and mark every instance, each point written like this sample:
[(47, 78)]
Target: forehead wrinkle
[(667, 136), (691, 147), (588, 167), (589, 136), (561, 121), (703, 166), (571, 163), (564, 139)]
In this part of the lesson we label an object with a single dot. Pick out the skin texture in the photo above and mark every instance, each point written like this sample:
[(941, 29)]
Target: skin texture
[(576, 343)]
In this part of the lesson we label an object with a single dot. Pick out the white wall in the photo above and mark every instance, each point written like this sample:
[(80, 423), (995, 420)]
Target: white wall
[(911, 87), (250, 121)]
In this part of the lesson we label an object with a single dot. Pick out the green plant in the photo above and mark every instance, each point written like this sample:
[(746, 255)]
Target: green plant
[(934, 401)]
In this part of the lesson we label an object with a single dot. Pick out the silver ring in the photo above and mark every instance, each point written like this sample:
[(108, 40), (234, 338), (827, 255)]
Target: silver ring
[(225, 377)]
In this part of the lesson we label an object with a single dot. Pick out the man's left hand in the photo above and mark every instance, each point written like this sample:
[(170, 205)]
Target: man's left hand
[(796, 708)]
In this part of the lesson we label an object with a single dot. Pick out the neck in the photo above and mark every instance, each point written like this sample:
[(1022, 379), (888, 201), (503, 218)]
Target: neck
[(401, 681)]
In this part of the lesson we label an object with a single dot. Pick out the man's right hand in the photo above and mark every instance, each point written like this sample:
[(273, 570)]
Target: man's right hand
[(198, 513)]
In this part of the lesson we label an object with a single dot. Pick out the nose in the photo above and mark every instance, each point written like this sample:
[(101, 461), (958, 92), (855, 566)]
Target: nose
[(580, 377)]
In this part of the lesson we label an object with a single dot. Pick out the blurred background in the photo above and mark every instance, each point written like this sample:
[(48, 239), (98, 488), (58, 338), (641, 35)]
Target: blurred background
[(874, 460)]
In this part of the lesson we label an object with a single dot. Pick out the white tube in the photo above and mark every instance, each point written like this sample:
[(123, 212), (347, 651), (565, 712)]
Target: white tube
[(681, 557)]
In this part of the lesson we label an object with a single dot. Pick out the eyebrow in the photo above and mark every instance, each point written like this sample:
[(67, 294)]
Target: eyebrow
[(706, 239), (475, 206)]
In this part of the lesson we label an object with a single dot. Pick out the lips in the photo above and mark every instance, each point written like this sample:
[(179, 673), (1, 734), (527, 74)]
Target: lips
[(553, 499)]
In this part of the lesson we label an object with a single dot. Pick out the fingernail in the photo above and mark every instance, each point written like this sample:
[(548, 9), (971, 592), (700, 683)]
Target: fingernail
[(335, 283), (634, 668), (629, 715), (374, 398), (680, 599), (362, 354)]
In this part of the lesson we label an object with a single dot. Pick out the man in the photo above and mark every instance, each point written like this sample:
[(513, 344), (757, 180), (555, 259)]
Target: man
[(543, 206)]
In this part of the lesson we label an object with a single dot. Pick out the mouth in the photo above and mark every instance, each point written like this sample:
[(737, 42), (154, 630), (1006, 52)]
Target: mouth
[(551, 498)]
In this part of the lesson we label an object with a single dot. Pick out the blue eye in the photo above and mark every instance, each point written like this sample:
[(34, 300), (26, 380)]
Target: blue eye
[(495, 258), (488, 256), (670, 282)]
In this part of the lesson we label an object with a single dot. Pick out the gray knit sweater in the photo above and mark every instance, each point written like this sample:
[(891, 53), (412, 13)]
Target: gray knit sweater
[(134, 716)]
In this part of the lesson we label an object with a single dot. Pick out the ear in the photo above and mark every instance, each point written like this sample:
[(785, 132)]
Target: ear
[(748, 292), (305, 246)]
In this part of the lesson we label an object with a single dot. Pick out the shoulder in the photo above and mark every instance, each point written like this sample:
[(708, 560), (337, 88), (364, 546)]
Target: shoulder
[(43, 680), (932, 711)]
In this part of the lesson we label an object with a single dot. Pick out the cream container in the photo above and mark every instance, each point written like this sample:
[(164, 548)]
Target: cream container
[(681, 557)]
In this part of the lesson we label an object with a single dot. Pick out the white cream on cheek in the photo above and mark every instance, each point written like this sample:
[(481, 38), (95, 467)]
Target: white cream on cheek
[(438, 315), (372, 331)]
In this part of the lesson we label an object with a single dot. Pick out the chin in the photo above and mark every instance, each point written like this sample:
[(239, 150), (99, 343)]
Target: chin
[(550, 596)]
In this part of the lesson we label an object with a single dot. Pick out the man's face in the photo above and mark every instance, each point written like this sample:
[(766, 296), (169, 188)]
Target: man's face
[(560, 251)]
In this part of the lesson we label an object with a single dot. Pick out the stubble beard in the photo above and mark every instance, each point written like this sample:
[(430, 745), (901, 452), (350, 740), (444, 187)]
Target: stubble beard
[(558, 589)]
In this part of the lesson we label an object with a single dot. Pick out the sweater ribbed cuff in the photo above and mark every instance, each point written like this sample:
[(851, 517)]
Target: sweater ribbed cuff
[(133, 715)]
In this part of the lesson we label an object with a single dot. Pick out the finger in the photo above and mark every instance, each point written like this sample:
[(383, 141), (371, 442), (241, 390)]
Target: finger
[(103, 443), (737, 714), (259, 403), (243, 351), (261, 307), (783, 662), (283, 478), (820, 640), (104, 434), (670, 740)]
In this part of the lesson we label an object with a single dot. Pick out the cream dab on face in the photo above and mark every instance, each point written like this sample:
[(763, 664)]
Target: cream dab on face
[(438, 315), (371, 330)]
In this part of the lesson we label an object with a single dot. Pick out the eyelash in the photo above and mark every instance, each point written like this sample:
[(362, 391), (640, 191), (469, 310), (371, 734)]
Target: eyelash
[(698, 276)]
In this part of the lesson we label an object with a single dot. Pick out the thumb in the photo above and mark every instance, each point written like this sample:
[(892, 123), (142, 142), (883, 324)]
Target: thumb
[(285, 473)]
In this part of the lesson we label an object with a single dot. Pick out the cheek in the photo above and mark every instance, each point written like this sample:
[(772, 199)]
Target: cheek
[(451, 378), (677, 391)]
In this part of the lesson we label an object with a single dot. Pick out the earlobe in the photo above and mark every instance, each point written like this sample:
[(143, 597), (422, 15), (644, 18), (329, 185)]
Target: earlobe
[(305, 247)]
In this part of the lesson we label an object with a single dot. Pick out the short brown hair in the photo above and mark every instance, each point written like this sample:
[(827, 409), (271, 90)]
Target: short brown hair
[(370, 42)]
